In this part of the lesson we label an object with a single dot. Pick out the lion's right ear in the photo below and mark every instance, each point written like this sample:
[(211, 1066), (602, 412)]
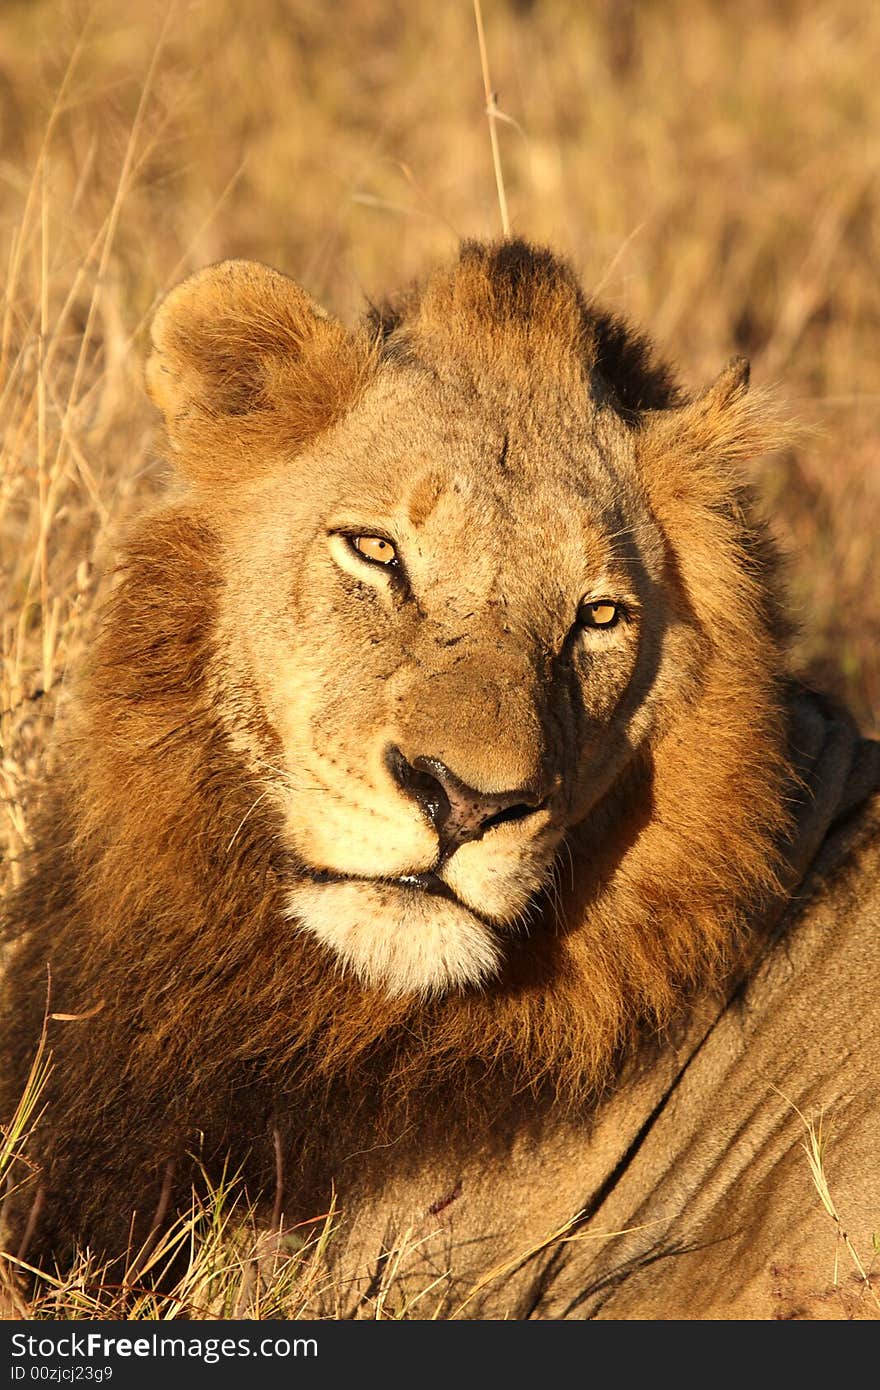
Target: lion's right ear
[(246, 368), (697, 452)]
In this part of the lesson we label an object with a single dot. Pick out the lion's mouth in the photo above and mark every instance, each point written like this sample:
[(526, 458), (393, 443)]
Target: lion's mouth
[(412, 932), (427, 884), (406, 934), (421, 883)]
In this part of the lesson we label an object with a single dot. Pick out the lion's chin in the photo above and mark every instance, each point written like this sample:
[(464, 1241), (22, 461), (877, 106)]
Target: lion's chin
[(397, 939)]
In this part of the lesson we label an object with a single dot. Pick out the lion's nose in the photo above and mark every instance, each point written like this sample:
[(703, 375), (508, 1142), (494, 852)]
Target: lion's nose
[(457, 812)]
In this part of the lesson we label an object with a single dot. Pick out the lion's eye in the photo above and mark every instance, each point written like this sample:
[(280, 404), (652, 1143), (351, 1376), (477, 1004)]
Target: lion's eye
[(601, 613), (375, 549)]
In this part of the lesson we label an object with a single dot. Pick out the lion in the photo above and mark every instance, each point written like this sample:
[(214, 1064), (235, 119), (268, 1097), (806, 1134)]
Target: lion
[(440, 825)]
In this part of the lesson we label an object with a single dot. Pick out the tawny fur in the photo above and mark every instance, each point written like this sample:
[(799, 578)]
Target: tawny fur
[(158, 884)]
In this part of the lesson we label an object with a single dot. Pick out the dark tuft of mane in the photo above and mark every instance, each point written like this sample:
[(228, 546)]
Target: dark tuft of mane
[(516, 285)]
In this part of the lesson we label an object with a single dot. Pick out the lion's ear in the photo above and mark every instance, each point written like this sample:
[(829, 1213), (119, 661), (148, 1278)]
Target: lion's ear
[(246, 366), (698, 451)]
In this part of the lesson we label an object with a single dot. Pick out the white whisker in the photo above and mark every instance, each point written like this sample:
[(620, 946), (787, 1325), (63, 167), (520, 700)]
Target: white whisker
[(247, 813)]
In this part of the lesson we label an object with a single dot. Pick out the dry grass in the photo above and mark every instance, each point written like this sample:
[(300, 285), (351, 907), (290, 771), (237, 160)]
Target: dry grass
[(815, 1146), (214, 1263), (712, 171)]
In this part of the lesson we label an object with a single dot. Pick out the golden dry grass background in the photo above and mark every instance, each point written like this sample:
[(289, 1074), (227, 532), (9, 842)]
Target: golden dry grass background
[(712, 171)]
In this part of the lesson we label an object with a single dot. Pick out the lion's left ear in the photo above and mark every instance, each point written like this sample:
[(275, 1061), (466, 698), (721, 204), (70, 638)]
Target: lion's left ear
[(697, 451), (245, 365)]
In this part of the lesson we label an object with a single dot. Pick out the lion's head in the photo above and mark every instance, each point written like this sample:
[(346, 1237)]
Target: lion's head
[(495, 635)]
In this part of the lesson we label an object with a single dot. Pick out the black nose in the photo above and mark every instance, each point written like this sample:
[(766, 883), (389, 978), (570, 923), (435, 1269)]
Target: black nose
[(457, 812)]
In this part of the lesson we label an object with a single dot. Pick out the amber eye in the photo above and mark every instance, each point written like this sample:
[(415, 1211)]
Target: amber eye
[(375, 549), (601, 613)]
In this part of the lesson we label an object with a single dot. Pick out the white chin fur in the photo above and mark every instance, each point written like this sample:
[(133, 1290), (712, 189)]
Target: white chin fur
[(399, 940)]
